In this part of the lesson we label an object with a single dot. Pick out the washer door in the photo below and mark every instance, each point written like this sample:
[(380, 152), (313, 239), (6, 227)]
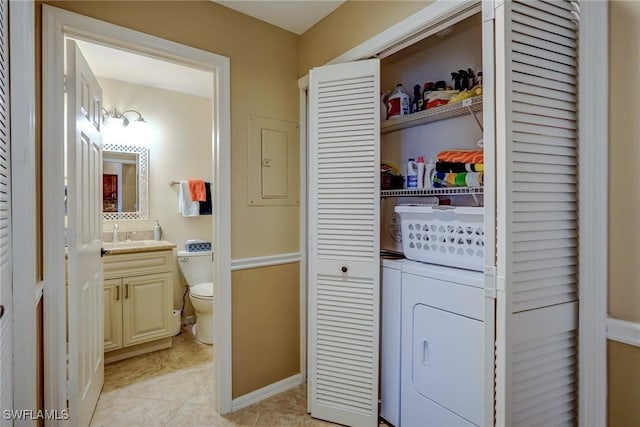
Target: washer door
[(447, 360)]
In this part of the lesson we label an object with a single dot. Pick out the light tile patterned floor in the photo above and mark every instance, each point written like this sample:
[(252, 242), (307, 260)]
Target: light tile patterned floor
[(174, 387)]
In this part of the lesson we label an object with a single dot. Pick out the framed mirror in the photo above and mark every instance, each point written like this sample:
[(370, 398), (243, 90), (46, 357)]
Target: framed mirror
[(125, 171)]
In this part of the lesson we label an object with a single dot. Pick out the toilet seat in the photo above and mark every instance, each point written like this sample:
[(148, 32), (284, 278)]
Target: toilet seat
[(202, 291)]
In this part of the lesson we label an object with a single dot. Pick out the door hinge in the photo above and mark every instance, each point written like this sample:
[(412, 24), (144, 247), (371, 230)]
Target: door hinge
[(64, 84), (490, 282)]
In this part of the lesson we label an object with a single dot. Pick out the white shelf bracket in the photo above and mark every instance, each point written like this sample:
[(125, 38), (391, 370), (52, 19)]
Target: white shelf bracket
[(467, 104)]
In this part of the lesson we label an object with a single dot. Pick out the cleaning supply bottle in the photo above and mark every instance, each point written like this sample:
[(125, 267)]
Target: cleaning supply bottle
[(416, 105), (384, 109), (157, 231), (412, 174), (420, 167), (398, 102), (429, 171)]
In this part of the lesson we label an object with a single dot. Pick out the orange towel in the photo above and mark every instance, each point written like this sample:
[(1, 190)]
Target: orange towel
[(461, 156), (197, 190)]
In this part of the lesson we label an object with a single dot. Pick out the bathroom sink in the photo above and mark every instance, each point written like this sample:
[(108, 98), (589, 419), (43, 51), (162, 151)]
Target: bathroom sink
[(137, 246), (133, 243)]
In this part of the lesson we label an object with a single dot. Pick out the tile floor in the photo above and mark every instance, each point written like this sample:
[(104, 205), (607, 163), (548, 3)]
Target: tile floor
[(174, 387)]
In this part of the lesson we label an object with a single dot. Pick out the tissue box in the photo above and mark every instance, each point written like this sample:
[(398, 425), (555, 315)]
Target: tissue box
[(197, 246)]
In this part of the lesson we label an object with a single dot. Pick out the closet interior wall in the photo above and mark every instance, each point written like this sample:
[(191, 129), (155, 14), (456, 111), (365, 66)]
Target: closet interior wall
[(431, 59)]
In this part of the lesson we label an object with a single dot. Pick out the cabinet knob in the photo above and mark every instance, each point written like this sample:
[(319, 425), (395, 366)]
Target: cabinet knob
[(344, 269)]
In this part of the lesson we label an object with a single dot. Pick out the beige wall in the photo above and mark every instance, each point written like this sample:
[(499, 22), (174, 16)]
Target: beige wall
[(178, 135), (351, 24), (264, 73), (624, 152), (623, 385), (266, 333), (624, 208)]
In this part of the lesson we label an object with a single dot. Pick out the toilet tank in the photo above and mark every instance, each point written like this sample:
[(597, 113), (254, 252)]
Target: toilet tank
[(196, 267)]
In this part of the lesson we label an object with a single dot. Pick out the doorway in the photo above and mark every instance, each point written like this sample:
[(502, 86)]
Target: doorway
[(59, 25)]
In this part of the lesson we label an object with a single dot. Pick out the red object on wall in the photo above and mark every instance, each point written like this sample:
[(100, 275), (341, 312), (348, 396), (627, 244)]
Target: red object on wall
[(109, 193)]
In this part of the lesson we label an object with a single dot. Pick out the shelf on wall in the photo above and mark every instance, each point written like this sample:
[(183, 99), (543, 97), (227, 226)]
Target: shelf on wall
[(433, 115), (449, 191)]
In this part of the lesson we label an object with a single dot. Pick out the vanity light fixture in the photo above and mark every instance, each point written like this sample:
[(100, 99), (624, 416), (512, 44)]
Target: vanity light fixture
[(115, 114)]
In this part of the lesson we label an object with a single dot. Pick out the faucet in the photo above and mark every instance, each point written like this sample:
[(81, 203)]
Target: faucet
[(114, 239), (129, 235)]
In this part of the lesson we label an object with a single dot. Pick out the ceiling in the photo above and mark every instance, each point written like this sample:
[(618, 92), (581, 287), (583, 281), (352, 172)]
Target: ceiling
[(295, 16), (134, 68)]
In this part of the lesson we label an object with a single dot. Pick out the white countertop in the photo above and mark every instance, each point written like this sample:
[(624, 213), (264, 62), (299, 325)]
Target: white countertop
[(136, 246)]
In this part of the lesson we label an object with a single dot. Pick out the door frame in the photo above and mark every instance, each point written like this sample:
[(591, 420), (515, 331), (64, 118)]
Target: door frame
[(593, 153), (28, 291), (57, 24)]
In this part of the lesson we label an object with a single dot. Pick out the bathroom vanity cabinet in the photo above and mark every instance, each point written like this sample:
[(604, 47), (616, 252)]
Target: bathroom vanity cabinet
[(138, 302)]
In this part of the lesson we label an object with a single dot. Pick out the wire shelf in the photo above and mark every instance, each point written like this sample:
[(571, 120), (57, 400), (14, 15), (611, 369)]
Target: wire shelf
[(447, 111), (422, 192)]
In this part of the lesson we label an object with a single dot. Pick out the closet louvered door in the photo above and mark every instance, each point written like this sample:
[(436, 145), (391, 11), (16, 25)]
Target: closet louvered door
[(344, 116), (537, 212), (6, 297)]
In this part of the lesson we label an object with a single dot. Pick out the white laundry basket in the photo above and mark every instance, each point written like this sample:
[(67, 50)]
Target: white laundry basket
[(446, 235)]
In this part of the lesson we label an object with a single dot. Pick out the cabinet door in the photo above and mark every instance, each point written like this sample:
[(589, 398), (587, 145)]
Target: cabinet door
[(536, 91), (6, 273), (147, 308), (344, 247), (112, 314)]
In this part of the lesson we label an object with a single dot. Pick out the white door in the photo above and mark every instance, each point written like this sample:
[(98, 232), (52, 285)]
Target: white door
[(84, 236), (6, 297), (344, 247), (536, 57)]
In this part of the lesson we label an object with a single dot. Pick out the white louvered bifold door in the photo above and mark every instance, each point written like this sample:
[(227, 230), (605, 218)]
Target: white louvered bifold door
[(6, 327), (537, 212), (344, 258)]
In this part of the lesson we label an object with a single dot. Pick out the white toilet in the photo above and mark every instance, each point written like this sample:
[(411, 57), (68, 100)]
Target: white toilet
[(196, 268)]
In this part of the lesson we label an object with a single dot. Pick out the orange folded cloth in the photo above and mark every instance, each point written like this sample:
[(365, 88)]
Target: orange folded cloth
[(461, 156), (197, 190)]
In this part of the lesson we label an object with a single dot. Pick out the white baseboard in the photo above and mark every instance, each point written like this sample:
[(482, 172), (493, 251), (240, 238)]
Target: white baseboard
[(623, 331), (265, 392)]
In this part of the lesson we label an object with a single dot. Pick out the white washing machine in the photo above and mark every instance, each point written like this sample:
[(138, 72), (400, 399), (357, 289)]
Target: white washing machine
[(442, 344), (390, 340)]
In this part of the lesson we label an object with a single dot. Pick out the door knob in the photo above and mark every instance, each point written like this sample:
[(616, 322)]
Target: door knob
[(344, 269), (1, 311)]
